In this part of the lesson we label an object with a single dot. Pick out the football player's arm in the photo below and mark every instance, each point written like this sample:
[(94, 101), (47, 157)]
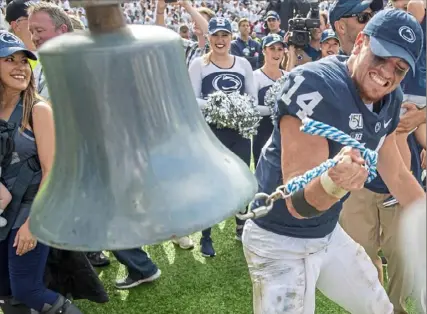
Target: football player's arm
[(302, 152), (420, 135), (195, 72), (399, 180)]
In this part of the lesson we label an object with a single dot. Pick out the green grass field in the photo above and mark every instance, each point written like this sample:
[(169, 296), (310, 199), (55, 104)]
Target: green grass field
[(190, 283)]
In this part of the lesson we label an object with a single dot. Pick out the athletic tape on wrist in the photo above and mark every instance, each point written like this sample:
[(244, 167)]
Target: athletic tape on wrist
[(330, 187)]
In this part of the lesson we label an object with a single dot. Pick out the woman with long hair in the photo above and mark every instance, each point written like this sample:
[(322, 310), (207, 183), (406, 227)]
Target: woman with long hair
[(215, 71), (22, 258), (273, 49)]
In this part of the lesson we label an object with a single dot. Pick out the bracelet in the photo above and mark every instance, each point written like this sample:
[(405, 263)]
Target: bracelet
[(330, 187), (302, 207)]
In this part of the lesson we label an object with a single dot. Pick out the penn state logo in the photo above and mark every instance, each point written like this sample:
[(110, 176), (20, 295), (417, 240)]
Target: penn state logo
[(407, 34), (227, 83), (9, 38)]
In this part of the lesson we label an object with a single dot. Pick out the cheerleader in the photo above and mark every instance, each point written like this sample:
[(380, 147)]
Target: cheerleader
[(273, 49), (215, 71)]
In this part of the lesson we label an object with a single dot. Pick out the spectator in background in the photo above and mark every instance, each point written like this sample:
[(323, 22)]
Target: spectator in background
[(329, 43), (184, 31), (349, 17), (76, 22), (273, 48), (273, 23), (17, 17), (255, 37), (246, 47)]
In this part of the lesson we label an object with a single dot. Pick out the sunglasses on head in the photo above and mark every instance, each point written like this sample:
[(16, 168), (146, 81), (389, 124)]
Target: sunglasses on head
[(362, 17)]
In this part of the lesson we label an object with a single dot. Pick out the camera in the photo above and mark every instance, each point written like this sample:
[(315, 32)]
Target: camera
[(299, 27)]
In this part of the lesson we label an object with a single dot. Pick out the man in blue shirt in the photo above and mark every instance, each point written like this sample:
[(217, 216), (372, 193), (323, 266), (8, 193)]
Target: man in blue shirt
[(370, 216), (299, 244), (273, 24), (244, 46), (349, 17)]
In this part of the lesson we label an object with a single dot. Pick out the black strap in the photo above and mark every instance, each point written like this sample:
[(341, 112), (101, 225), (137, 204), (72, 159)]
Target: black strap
[(302, 207)]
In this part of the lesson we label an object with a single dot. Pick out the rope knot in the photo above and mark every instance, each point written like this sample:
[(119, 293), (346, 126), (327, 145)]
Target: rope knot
[(313, 127)]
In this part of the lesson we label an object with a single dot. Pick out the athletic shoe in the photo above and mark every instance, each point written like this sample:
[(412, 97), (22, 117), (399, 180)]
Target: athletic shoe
[(129, 282)]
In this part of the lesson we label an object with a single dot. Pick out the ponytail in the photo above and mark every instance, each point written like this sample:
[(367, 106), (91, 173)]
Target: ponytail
[(207, 58)]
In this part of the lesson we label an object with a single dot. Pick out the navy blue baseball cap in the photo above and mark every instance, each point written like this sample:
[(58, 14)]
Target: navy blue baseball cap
[(328, 34), (273, 15), (341, 8), (9, 44), (217, 24), (395, 33), (272, 39)]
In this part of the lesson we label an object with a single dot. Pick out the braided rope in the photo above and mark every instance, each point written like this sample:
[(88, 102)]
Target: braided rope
[(312, 127)]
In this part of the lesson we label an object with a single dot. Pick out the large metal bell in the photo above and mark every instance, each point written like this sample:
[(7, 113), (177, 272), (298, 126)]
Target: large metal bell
[(135, 161)]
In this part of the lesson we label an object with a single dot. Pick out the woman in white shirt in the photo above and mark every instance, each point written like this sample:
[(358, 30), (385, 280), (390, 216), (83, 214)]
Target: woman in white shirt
[(274, 50), (219, 71)]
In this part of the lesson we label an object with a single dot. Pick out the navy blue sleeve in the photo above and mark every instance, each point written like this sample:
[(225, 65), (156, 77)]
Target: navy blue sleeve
[(395, 111), (234, 49), (305, 94)]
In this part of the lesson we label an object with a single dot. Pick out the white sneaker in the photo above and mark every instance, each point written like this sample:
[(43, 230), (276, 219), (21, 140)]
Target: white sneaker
[(184, 243)]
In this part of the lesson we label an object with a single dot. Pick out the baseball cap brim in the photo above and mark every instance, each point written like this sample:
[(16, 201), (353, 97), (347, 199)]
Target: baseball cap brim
[(216, 30), (329, 37), (5, 52), (387, 49), (274, 42), (360, 7)]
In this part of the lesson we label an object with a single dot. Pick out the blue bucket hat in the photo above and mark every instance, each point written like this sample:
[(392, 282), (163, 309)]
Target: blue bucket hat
[(9, 44), (272, 39), (395, 33), (328, 34), (217, 24), (341, 8)]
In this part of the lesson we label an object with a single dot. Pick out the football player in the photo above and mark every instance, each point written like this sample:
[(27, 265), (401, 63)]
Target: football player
[(299, 244)]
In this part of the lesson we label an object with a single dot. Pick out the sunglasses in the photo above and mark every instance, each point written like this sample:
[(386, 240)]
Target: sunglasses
[(362, 18)]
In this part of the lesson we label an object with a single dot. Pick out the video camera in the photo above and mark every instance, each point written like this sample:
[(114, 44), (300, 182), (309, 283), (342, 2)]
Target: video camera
[(299, 27)]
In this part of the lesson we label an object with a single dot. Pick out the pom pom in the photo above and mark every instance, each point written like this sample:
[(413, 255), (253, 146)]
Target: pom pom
[(234, 111), (273, 94)]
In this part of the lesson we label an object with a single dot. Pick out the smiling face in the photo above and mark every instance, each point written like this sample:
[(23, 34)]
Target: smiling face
[(15, 71), (330, 47), (374, 76), (274, 54), (42, 28), (220, 42)]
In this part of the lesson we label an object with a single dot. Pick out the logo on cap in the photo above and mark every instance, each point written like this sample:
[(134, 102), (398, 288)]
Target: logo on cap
[(407, 34), (9, 38)]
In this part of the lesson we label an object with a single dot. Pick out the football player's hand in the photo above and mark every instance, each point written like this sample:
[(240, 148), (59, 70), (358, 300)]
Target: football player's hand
[(411, 119), (350, 173)]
